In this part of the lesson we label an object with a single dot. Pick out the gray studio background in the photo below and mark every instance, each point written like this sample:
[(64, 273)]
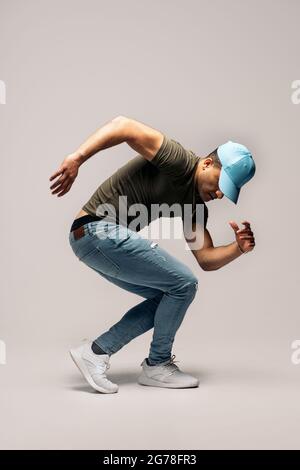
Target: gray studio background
[(203, 72)]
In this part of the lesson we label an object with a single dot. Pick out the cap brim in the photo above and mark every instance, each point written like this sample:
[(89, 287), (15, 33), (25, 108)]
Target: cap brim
[(228, 187)]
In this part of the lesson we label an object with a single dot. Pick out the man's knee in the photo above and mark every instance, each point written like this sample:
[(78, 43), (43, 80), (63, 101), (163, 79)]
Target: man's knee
[(191, 285), (188, 287)]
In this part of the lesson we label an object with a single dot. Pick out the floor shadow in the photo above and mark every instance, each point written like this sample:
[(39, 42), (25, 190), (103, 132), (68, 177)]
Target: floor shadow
[(216, 375), (127, 377), (83, 388), (120, 378)]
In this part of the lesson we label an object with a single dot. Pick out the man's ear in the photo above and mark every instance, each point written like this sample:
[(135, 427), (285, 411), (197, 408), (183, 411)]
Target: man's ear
[(208, 162)]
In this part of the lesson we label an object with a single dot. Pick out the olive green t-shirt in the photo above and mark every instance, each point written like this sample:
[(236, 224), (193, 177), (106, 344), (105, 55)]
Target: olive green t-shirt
[(169, 178)]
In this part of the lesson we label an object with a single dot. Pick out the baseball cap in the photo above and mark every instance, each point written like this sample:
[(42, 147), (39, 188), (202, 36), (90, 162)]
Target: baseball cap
[(238, 168)]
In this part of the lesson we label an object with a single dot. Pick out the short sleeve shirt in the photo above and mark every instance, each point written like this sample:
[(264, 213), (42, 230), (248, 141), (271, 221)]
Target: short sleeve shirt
[(149, 189)]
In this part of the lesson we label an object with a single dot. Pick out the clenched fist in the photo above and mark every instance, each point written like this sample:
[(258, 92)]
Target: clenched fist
[(244, 237)]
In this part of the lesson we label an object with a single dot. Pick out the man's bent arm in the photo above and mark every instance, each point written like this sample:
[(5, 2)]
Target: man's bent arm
[(210, 257), (217, 257), (142, 138), (112, 133)]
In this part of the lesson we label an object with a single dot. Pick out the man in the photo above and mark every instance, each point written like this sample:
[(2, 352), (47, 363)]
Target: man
[(105, 237)]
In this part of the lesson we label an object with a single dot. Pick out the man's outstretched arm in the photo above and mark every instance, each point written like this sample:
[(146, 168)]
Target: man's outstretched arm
[(211, 258), (142, 138)]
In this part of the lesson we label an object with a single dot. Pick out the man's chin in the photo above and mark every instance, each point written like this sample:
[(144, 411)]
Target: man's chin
[(203, 197)]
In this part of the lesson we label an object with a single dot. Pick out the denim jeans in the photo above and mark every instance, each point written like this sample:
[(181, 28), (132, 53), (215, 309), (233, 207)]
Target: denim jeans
[(141, 266)]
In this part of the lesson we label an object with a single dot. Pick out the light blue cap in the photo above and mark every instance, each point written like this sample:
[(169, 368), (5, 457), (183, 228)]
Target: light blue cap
[(238, 168)]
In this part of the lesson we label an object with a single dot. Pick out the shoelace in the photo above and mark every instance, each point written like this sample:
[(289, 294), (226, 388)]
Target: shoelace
[(99, 367), (171, 366), (106, 367), (100, 371)]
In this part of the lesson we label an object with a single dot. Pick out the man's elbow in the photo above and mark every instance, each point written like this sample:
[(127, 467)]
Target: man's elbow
[(122, 122), (123, 125), (207, 267), (120, 119), (205, 259)]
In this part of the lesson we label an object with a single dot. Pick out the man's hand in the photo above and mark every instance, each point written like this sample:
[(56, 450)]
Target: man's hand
[(68, 171), (244, 237)]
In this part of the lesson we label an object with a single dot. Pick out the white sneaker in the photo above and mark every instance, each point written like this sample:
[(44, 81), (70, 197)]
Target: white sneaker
[(167, 375), (93, 367)]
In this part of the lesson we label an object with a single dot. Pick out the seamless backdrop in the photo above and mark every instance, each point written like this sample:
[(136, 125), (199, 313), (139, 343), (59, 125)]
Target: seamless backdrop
[(203, 72)]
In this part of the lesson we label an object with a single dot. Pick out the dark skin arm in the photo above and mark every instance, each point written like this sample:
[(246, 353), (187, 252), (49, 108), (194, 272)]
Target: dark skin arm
[(211, 258)]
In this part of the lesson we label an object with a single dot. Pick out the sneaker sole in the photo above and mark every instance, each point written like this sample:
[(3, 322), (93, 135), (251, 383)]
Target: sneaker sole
[(84, 371), (142, 380)]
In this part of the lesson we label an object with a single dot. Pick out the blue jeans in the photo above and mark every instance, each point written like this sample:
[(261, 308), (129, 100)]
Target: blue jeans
[(138, 265)]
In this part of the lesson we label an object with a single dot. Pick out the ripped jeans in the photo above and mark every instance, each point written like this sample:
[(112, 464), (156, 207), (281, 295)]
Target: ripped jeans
[(141, 266)]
